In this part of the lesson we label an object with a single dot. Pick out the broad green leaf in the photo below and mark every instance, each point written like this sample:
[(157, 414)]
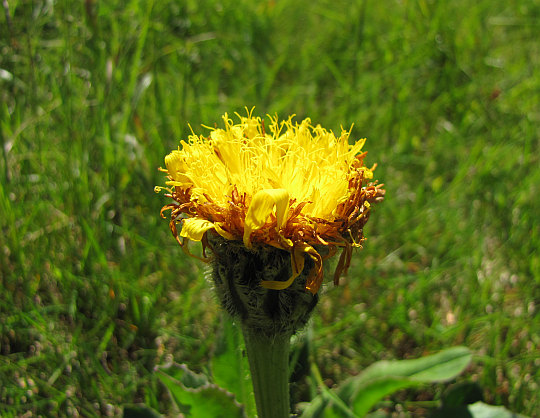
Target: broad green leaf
[(385, 377), (482, 410), (362, 392), (439, 367), (230, 367), (195, 398), (373, 392)]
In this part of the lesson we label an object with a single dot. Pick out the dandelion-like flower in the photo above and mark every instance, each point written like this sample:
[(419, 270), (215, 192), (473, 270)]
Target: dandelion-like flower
[(291, 186), (272, 203)]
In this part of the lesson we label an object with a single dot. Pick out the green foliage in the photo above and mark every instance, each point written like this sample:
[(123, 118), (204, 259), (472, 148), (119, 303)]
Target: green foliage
[(227, 393), (94, 292), (195, 396), (358, 395), (230, 368)]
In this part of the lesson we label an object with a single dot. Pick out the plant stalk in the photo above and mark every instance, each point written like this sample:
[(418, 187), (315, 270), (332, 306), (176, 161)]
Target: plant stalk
[(269, 364)]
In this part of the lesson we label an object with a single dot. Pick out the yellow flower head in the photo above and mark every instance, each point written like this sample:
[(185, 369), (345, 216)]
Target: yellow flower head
[(290, 185)]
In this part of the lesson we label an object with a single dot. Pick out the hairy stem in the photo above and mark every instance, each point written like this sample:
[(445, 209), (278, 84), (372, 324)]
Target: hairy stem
[(269, 364)]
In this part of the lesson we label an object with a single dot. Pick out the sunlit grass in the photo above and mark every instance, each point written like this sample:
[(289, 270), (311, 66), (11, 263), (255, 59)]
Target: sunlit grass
[(94, 290)]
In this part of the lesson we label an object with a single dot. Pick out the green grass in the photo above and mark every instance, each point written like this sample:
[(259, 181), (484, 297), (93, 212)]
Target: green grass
[(94, 290)]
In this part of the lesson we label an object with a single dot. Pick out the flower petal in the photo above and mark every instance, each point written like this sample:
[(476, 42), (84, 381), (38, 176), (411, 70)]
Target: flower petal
[(261, 207), (194, 228), (297, 263), (225, 234)]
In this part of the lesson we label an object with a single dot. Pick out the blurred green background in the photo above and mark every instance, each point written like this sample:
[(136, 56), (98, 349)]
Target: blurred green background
[(94, 291)]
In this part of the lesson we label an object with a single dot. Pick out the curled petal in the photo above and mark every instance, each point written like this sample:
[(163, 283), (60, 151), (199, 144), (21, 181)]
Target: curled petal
[(297, 262), (225, 234), (194, 228), (261, 207)]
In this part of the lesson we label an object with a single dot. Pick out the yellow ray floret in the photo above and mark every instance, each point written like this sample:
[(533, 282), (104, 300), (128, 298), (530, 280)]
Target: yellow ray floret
[(195, 228), (292, 185), (261, 207)]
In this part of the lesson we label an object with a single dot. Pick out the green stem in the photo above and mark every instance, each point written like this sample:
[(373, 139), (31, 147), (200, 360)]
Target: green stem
[(269, 364)]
